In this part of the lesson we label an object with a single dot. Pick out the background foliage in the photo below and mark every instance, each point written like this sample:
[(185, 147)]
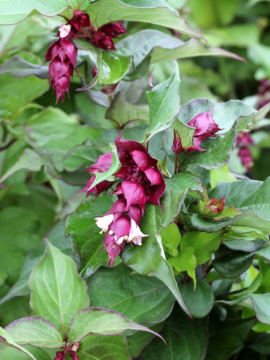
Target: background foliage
[(217, 270)]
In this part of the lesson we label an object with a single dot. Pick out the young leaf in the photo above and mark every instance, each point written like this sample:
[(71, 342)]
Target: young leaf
[(111, 67), (102, 322), (19, 68), (7, 341), (164, 102), (57, 292), (35, 331)]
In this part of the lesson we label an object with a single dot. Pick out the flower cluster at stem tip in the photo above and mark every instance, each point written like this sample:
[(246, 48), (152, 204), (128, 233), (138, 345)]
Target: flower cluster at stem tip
[(62, 53), (140, 182)]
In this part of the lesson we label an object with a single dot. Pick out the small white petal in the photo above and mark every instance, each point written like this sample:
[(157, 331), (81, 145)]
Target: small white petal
[(135, 234), (104, 222), (64, 30)]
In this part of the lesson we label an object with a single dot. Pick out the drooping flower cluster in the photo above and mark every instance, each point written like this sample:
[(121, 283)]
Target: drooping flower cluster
[(263, 93), (243, 141), (62, 53), (140, 182), (205, 126)]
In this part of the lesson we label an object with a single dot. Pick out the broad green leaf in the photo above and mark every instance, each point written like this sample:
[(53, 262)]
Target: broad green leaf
[(86, 235), (16, 10), (105, 11), (107, 175), (140, 44), (199, 300), (191, 48), (123, 112), (208, 14), (171, 237), (111, 67), (204, 244), (252, 203), (15, 94), (35, 331), (231, 264), (217, 153), (57, 292), (187, 340), (138, 341), (164, 102), (149, 258), (227, 338), (221, 174), (29, 160), (7, 342), (104, 348), (19, 68), (102, 322), (185, 261), (176, 190), (140, 298), (261, 305)]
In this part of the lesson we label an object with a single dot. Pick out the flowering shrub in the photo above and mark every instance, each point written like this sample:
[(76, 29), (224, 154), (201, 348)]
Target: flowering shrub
[(135, 212)]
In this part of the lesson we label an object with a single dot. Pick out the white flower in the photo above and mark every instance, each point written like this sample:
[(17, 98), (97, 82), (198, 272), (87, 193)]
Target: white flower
[(135, 234), (104, 222), (64, 30)]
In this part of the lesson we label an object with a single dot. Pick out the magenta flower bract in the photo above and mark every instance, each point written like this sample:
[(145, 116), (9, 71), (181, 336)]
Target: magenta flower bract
[(205, 126), (103, 36), (143, 181), (243, 141), (140, 182), (102, 164), (216, 205), (62, 55)]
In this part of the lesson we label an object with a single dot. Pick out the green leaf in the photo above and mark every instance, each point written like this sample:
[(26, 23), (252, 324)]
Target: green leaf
[(35, 331), (185, 132), (140, 298), (104, 348), (15, 94), (199, 300), (105, 11), (189, 49), (102, 322), (7, 341), (217, 154), (57, 292), (221, 174), (171, 237), (252, 203), (232, 264), (86, 235), (149, 258), (29, 160), (164, 102), (123, 112), (227, 338), (187, 340), (204, 244), (185, 261), (111, 67), (209, 14), (261, 305), (15, 11)]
